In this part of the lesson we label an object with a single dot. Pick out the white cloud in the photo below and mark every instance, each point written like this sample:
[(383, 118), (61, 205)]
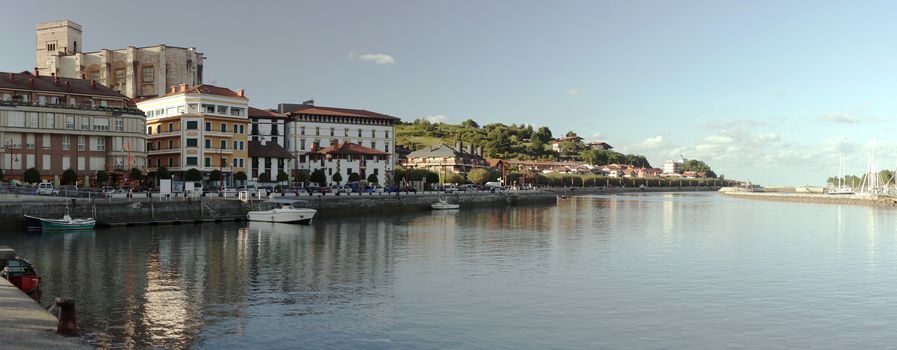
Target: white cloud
[(597, 136), (838, 145), (838, 118), (573, 92), (436, 118), (652, 142), (378, 58)]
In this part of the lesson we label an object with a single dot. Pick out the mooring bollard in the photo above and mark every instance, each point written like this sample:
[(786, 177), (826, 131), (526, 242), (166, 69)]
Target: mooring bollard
[(67, 323)]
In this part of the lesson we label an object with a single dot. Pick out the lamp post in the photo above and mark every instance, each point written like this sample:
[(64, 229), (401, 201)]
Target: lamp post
[(12, 156)]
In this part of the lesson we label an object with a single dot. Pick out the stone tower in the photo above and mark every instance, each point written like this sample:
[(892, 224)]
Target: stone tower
[(56, 38)]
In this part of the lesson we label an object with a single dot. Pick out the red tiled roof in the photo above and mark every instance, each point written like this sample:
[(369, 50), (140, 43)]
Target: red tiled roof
[(23, 81), (208, 90), (351, 148), (265, 113), (341, 112)]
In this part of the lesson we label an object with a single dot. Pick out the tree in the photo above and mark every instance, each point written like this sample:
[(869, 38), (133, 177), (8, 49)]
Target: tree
[(136, 174), (590, 157), (215, 175), (69, 177), (432, 178), (31, 176), (302, 176), (282, 176), (571, 134), (265, 177), (373, 178), (192, 174), (478, 176), (452, 178), (163, 174), (239, 176), (337, 178), (318, 177), (102, 177), (470, 124), (543, 134), (354, 177), (696, 166)]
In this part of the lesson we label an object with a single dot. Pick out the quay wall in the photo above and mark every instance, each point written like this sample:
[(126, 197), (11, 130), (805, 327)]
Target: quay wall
[(872, 200)]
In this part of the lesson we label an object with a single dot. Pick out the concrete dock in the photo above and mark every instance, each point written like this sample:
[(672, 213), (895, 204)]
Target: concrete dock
[(26, 325), (870, 200)]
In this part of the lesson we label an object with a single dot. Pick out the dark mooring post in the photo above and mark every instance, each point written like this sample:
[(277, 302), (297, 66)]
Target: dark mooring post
[(67, 324)]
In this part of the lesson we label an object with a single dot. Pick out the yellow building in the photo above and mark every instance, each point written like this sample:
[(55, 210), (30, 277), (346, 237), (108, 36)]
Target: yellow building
[(202, 127)]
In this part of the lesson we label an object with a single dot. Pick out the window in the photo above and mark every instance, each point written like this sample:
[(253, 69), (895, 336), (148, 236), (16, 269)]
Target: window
[(223, 144), (119, 125), (236, 111), (158, 128), (301, 130), (85, 123), (222, 110), (170, 127), (386, 147), (66, 143), (208, 108), (373, 133), (236, 145), (101, 124), (236, 128), (81, 143), (170, 162), (149, 146), (317, 131), (119, 79), (374, 144), (148, 74), (242, 144), (192, 125), (42, 100), (170, 144), (223, 127), (255, 129), (32, 119), (192, 143), (387, 134), (51, 121), (159, 163), (208, 143), (242, 129), (100, 143), (208, 162), (302, 144), (51, 46), (192, 161), (223, 162), (208, 126), (158, 145), (331, 131), (346, 132)]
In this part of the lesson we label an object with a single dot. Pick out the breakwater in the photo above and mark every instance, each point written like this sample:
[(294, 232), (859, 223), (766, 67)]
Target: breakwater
[(873, 200), (612, 190)]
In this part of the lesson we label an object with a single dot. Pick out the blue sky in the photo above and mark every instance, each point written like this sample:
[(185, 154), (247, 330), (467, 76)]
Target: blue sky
[(768, 91)]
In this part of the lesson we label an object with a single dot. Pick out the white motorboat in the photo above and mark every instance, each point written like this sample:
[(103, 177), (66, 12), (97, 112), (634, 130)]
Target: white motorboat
[(294, 212), (443, 205)]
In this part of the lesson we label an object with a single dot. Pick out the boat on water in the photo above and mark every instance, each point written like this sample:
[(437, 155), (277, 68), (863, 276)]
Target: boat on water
[(18, 271), (442, 204), (66, 223), (295, 212)]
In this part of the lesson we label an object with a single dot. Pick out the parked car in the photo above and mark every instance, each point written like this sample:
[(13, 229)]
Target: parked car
[(45, 188), (66, 191)]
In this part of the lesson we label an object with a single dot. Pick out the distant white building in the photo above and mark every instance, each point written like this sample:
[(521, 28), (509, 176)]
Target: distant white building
[(674, 167), (266, 144)]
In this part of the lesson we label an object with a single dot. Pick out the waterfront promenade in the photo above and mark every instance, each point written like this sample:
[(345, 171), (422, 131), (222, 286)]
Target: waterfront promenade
[(26, 325)]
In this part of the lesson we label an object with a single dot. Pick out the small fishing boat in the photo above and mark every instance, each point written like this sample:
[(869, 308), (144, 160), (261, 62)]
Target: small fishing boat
[(443, 205), (18, 271), (294, 212), (66, 223)]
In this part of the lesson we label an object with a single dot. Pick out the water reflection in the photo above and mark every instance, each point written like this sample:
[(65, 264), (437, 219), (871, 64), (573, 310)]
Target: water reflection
[(623, 271)]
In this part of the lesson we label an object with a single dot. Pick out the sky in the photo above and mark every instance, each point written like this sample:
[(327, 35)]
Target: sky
[(774, 92)]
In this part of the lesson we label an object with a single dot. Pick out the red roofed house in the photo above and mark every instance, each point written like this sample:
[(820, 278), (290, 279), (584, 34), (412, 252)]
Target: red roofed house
[(347, 158)]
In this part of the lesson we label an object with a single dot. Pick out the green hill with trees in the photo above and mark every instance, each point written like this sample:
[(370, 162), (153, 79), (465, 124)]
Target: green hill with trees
[(508, 142)]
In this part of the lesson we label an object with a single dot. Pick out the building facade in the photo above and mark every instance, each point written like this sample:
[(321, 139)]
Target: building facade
[(266, 144), (203, 127), (53, 124), (674, 166), (441, 158), (313, 127), (132, 71), (347, 158)]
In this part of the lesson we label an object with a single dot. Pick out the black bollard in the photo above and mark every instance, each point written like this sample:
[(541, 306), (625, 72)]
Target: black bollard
[(67, 322)]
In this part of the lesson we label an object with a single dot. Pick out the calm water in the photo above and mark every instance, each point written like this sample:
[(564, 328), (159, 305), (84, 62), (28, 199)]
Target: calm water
[(652, 271)]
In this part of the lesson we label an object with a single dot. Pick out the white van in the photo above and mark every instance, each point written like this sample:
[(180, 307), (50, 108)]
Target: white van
[(45, 188)]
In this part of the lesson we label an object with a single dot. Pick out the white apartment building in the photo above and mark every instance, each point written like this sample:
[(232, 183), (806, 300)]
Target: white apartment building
[(203, 127), (312, 128)]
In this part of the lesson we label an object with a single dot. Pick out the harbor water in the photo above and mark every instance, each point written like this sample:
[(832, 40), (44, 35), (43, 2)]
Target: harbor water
[(627, 271)]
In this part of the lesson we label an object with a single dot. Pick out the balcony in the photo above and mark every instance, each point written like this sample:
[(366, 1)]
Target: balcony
[(164, 151)]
